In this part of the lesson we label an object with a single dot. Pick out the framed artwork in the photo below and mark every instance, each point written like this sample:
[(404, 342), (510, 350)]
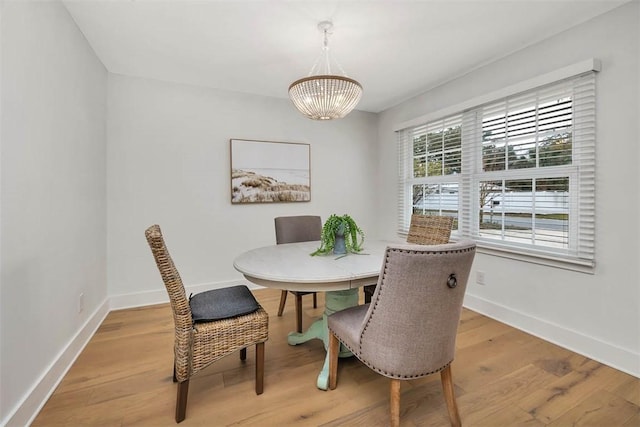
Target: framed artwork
[(270, 172)]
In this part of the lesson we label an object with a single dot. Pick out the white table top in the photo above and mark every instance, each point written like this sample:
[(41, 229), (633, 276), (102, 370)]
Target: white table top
[(290, 266)]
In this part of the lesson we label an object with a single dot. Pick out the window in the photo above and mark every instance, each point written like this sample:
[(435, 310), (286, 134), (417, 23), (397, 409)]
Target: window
[(517, 173), (437, 160)]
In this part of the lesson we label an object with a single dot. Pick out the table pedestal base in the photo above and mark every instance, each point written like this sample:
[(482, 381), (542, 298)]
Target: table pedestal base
[(334, 301)]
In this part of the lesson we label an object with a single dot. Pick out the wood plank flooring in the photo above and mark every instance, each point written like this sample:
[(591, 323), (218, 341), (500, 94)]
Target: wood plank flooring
[(502, 376)]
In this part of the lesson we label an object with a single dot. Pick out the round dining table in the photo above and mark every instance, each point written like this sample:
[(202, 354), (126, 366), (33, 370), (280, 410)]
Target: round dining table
[(291, 267)]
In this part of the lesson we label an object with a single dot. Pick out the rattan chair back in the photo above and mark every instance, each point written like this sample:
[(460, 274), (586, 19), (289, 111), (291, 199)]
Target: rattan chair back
[(424, 230), (429, 229), (177, 296), (198, 345)]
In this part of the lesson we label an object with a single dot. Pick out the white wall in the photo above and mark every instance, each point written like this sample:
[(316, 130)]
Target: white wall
[(69, 202), (596, 315), (169, 163), (53, 210)]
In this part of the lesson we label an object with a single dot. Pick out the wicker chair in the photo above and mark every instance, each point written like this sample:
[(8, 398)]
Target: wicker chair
[(197, 345), (292, 229), (424, 230), (409, 329)]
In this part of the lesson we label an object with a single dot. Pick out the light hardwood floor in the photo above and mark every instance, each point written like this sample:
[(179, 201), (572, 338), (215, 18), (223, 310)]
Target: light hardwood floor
[(503, 377)]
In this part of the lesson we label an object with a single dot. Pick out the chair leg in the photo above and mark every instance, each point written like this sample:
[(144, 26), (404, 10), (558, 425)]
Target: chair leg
[(315, 300), (283, 300), (243, 354), (394, 403), (334, 349), (181, 401), (175, 379), (449, 396), (299, 313), (259, 367)]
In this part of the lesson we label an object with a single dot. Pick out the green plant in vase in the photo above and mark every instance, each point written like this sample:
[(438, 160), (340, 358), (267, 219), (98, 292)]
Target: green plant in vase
[(340, 234)]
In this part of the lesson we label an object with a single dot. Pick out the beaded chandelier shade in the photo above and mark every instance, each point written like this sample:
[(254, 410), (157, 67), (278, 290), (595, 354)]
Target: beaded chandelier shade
[(323, 95)]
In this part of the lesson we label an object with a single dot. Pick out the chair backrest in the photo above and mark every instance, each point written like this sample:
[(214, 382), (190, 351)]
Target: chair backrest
[(172, 281), (411, 325), (429, 229), (302, 228)]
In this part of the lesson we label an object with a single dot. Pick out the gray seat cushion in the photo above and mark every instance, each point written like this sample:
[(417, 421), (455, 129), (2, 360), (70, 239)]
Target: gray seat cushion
[(218, 304)]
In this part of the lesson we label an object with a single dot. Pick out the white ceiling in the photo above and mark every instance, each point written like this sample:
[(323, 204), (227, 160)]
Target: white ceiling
[(395, 49)]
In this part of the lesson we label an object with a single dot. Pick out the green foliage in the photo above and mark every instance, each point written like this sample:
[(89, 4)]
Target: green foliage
[(555, 150), (437, 153), (353, 235), (551, 151)]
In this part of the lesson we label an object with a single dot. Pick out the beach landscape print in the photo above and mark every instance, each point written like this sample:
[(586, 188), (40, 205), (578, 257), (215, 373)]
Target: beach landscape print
[(267, 172)]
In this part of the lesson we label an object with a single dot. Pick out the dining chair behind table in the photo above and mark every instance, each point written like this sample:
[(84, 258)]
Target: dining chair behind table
[(424, 230), (420, 286), (208, 325), (294, 229)]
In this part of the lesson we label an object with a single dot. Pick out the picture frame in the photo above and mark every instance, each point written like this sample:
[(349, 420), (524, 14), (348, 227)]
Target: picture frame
[(269, 171)]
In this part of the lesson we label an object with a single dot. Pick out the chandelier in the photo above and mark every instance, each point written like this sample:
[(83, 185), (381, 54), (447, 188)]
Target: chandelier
[(322, 95)]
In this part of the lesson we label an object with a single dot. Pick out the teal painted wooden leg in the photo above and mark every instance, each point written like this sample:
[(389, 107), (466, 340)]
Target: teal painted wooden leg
[(334, 301), (323, 377), (317, 330)]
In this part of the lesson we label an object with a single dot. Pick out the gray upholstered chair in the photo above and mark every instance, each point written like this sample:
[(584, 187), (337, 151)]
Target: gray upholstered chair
[(209, 326), (409, 329), (424, 230), (293, 229)]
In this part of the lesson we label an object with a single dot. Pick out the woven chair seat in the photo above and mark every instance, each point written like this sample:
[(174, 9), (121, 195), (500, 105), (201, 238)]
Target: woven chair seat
[(214, 340)]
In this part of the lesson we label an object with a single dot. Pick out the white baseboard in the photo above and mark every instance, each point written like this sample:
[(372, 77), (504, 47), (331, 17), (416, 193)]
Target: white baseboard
[(160, 296), (33, 401), (619, 358)]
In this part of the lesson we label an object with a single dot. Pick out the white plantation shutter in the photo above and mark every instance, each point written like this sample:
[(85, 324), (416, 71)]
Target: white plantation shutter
[(526, 171), (584, 154), (471, 151), (404, 171)]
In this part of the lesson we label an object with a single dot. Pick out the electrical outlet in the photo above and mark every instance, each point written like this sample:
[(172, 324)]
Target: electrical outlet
[(480, 278), (80, 303)]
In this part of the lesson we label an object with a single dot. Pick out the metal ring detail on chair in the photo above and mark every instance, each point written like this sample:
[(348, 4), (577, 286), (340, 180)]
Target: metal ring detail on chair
[(452, 282)]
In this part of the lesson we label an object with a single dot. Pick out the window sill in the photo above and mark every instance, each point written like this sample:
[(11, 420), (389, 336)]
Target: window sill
[(548, 260), (541, 259)]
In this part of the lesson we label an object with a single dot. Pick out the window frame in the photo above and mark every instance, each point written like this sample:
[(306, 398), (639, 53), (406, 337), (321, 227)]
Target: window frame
[(580, 254)]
